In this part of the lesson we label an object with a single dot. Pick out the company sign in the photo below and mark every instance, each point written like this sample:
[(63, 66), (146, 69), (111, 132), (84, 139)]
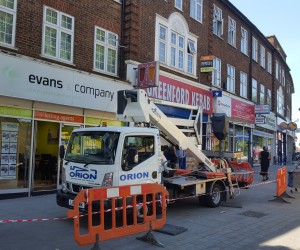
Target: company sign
[(148, 75), (206, 64), (260, 120), (235, 109), (172, 90), (262, 109), (270, 122), (28, 79)]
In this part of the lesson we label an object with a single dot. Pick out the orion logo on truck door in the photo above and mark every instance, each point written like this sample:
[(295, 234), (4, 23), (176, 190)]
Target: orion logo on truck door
[(83, 173), (135, 176)]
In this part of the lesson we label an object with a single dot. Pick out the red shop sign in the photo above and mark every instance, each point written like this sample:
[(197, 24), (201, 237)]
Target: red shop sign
[(58, 117), (242, 111), (178, 92)]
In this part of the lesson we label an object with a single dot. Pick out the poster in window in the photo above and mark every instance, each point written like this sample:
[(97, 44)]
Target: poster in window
[(12, 159), (13, 148), (4, 158), (4, 170), (12, 170), (5, 148), (52, 136), (13, 136), (5, 136)]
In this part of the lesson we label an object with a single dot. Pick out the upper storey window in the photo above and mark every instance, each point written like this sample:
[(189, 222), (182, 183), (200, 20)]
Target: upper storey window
[(8, 12), (218, 22), (58, 35), (178, 4), (196, 10), (231, 32), (174, 45), (244, 41), (254, 49), (106, 51)]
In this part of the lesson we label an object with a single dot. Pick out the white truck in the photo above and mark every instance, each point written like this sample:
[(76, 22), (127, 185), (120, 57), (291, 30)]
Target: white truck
[(116, 156)]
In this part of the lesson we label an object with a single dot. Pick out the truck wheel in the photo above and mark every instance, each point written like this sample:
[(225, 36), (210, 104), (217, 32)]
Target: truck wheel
[(213, 199)]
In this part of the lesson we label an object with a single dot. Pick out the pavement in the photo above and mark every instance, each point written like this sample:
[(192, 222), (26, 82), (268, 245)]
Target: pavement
[(255, 219)]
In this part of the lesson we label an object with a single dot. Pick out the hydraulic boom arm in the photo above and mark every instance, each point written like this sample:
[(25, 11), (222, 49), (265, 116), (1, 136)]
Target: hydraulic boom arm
[(135, 106)]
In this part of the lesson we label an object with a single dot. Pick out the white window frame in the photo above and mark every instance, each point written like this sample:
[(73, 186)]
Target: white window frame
[(244, 41), (216, 73), (231, 31), (262, 94), (59, 31), (164, 48), (243, 84), (254, 90), (277, 70), (280, 101), (269, 61), (178, 4), (109, 43), (254, 49), (11, 12), (269, 97), (262, 56), (218, 21), (230, 86), (282, 77), (196, 10)]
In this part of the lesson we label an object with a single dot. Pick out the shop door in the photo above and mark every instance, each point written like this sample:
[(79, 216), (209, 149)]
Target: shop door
[(45, 158), (65, 132)]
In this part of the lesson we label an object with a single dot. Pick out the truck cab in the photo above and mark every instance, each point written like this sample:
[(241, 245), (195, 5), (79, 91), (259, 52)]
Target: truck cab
[(109, 156)]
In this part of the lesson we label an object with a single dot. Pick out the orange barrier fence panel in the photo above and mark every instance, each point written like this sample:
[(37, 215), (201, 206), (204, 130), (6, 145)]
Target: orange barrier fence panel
[(114, 212), (281, 183)]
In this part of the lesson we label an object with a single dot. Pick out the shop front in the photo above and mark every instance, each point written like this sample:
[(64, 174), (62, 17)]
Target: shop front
[(240, 113), (40, 106), (264, 134), (15, 141)]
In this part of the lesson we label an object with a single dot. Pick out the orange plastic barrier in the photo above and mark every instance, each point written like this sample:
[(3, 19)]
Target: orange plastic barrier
[(243, 172), (281, 183), (115, 212)]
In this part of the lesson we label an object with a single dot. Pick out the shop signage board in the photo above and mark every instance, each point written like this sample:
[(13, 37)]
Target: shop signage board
[(270, 122), (206, 64), (262, 108), (176, 91), (235, 109), (260, 120), (33, 80), (15, 112), (50, 116), (148, 74)]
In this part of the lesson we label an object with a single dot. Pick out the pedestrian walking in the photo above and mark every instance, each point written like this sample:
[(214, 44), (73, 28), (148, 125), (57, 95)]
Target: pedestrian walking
[(264, 157)]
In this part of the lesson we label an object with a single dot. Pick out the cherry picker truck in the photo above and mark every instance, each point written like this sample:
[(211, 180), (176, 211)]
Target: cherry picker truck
[(115, 156)]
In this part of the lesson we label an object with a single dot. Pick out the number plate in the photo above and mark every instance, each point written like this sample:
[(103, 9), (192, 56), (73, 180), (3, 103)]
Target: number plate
[(81, 204)]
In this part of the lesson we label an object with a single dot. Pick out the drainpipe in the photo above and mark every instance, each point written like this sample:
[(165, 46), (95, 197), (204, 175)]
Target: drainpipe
[(122, 40)]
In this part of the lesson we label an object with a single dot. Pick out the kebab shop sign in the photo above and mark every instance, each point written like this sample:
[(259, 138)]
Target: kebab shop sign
[(175, 91)]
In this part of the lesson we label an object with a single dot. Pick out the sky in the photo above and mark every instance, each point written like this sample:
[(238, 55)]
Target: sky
[(279, 18)]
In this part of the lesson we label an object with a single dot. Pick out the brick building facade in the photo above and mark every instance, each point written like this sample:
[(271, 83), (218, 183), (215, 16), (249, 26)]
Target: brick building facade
[(62, 63)]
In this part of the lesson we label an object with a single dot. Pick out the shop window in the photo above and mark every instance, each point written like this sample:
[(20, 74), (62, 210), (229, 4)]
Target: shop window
[(15, 144)]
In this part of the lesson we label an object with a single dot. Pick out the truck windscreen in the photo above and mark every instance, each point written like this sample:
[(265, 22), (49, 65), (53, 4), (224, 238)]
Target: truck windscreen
[(96, 147)]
